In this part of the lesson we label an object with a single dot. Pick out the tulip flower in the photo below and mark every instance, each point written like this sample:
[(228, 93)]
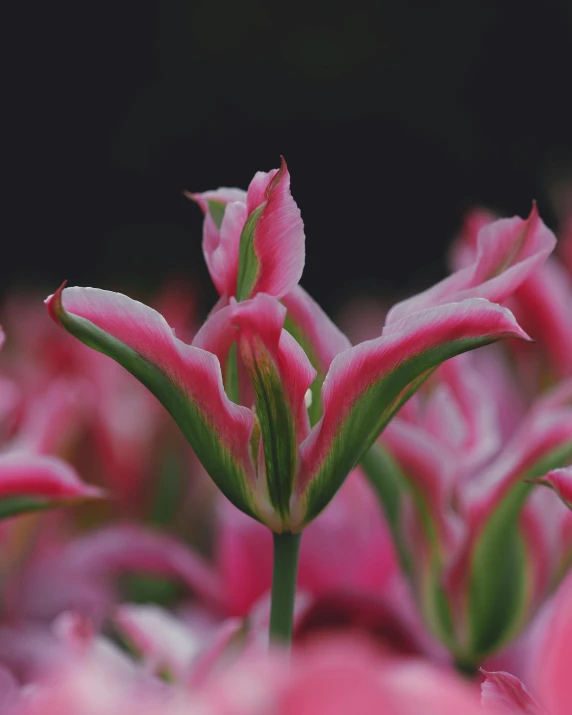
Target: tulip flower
[(260, 447), (30, 480), (474, 535)]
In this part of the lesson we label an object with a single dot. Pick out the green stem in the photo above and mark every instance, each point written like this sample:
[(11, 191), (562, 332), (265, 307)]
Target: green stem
[(285, 572)]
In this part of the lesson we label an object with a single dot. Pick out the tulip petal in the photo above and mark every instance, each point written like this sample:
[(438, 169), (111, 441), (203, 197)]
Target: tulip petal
[(32, 482), (509, 251), (129, 548), (478, 413), (281, 375), (503, 693), (225, 216), (543, 304), (561, 481), (185, 379), (271, 257), (367, 384)]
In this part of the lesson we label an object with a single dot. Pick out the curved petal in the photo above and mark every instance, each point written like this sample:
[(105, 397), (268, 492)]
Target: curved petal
[(509, 251), (367, 384), (561, 481), (130, 548), (30, 482), (504, 693), (543, 304), (225, 216), (186, 379), (543, 439), (272, 243), (223, 196), (479, 422), (315, 331), (281, 375)]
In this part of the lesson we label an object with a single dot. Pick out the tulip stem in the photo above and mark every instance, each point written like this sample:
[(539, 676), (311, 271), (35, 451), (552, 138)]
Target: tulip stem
[(284, 575)]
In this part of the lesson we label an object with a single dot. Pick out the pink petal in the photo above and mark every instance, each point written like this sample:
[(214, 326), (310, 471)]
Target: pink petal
[(221, 245), (118, 549), (509, 251), (262, 319), (354, 372), (504, 694), (473, 398), (224, 195), (54, 418), (322, 337), (41, 477), (546, 429), (543, 305), (279, 233), (561, 481), (188, 378)]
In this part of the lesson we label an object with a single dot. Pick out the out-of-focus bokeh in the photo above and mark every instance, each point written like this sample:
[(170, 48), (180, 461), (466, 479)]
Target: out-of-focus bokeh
[(394, 117)]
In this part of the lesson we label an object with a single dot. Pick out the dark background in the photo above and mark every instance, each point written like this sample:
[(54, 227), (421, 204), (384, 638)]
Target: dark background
[(394, 117)]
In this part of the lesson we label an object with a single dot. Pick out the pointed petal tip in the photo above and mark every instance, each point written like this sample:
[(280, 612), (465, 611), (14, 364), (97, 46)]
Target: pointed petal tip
[(560, 480), (502, 692), (54, 301)]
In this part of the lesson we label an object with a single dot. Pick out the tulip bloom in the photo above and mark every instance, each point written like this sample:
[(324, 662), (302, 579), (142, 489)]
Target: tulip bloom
[(30, 480), (261, 447), (476, 538)]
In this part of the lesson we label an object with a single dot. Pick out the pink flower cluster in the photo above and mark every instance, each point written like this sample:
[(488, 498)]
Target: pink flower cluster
[(194, 461)]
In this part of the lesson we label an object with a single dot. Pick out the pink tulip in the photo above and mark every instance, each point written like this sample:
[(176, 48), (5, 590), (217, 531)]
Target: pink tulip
[(466, 512), (277, 406), (187, 379), (30, 481)]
